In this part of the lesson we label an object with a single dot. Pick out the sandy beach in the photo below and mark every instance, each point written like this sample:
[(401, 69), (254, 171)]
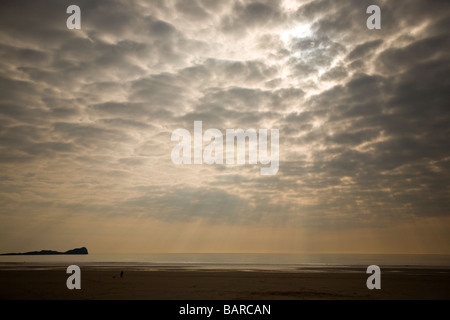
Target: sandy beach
[(180, 284)]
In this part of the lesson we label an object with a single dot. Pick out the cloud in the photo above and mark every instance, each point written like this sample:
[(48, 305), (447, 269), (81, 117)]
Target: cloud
[(362, 50), (362, 114), (249, 15)]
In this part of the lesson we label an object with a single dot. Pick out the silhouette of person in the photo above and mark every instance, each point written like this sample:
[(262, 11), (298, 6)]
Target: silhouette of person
[(121, 274)]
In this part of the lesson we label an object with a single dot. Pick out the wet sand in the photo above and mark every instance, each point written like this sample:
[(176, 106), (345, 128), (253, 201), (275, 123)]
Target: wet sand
[(180, 284)]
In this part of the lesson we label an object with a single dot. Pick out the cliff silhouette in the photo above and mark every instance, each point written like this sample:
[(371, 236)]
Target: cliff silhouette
[(81, 250)]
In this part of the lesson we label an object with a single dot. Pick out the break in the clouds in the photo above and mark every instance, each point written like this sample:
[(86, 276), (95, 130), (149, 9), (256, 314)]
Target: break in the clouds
[(86, 115)]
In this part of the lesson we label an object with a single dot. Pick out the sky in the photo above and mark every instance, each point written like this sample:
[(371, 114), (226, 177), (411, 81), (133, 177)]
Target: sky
[(86, 118)]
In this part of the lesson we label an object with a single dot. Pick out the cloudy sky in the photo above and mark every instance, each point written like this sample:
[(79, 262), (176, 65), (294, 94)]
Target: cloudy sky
[(86, 118)]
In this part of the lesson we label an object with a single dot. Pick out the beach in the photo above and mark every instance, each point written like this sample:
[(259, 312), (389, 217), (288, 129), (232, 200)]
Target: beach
[(188, 284)]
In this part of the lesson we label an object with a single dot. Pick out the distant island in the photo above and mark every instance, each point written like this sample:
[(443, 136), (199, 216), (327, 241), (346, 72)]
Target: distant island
[(82, 250)]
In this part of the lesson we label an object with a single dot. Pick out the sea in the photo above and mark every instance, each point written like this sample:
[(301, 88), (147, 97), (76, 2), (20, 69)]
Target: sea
[(229, 261)]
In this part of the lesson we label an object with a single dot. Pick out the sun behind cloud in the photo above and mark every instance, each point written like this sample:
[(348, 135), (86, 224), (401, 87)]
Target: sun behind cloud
[(86, 118)]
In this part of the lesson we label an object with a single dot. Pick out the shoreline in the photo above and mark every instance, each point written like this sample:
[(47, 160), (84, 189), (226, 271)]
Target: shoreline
[(151, 267), (175, 283)]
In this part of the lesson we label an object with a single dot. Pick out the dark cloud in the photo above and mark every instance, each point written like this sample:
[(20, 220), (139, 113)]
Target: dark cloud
[(363, 116), (395, 59), (362, 50), (180, 204), (246, 72), (336, 73), (248, 15), (192, 9)]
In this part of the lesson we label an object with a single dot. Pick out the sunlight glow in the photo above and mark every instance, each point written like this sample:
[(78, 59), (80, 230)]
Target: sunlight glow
[(300, 30)]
